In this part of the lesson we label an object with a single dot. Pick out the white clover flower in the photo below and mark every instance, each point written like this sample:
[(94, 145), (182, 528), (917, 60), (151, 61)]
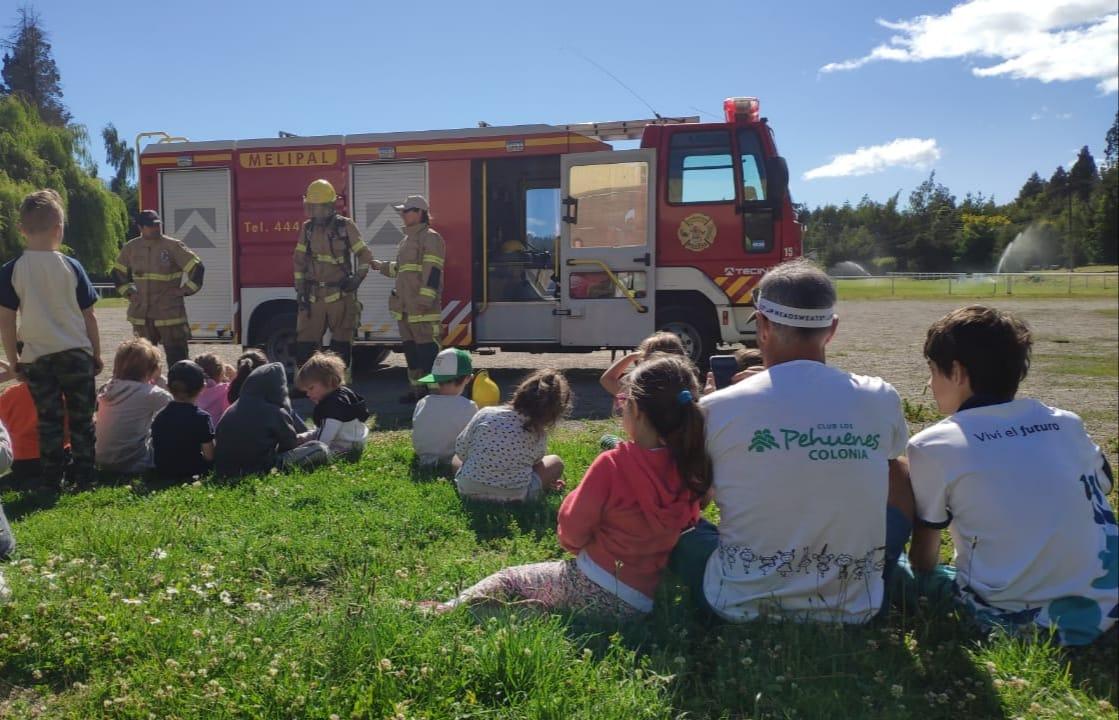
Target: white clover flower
[(225, 597), (158, 554)]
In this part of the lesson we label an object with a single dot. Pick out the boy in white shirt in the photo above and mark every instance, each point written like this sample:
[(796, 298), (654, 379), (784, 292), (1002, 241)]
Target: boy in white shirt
[(440, 417), (1020, 486)]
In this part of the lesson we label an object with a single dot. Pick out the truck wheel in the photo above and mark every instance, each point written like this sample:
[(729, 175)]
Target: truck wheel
[(697, 336), (279, 340)]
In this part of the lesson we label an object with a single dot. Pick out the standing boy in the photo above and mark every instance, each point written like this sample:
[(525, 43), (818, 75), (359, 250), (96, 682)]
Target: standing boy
[(1020, 486), (440, 417), (61, 346)]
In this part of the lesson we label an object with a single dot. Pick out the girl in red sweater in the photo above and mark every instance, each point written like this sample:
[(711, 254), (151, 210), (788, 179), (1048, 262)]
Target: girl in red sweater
[(624, 518)]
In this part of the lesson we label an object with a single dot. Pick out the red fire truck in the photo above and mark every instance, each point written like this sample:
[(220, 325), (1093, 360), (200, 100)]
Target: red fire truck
[(556, 242)]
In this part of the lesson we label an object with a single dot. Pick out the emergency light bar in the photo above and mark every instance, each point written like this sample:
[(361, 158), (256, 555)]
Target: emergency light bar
[(742, 108)]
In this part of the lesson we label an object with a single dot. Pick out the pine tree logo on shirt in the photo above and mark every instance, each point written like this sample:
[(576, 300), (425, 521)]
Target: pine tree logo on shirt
[(763, 440)]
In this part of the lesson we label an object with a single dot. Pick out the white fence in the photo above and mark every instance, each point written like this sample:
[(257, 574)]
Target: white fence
[(1024, 283)]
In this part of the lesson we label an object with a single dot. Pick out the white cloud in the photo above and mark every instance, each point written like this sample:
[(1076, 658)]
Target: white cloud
[(1053, 41), (902, 152)]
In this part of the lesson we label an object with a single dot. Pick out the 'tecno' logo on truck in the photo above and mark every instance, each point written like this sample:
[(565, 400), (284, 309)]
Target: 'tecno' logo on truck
[(289, 158)]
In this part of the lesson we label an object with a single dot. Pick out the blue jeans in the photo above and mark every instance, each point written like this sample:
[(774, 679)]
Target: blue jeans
[(689, 558)]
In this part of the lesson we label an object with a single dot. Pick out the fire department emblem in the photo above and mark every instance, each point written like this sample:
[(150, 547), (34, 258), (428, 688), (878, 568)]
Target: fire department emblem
[(164, 257), (696, 232)]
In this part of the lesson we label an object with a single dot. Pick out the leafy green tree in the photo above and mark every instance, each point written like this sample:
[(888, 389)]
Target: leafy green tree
[(1084, 175), (29, 70), (36, 155), (1033, 188), (1111, 144), (120, 156)]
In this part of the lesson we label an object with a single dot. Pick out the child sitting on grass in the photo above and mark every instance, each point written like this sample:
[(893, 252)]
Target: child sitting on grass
[(7, 540), (257, 433), (340, 413), (624, 518), (1020, 486), (658, 342), (126, 406), (182, 432), (214, 398), (500, 454), (442, 415), (611, 380), (18, 414), (250, 360)]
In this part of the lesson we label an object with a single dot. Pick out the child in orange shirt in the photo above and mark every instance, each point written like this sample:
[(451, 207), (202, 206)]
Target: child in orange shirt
[(18, 414)]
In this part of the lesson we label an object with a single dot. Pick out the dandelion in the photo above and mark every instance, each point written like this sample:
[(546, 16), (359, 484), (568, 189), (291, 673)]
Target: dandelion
[(273, 671), (158, 554), (37, 674), (197, 633), (386, 664)]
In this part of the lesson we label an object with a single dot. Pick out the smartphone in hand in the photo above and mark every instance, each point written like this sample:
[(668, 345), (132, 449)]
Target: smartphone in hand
[(724, 367)]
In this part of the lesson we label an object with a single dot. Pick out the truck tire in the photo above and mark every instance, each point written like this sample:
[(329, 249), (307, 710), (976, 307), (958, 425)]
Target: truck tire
[(698, 336), (279, 340)]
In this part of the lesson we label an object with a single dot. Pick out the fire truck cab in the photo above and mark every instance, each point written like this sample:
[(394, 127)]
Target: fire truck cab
[(555, 241)]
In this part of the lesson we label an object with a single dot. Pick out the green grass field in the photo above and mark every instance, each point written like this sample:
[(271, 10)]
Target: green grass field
[(1039, 285), (279, 597)]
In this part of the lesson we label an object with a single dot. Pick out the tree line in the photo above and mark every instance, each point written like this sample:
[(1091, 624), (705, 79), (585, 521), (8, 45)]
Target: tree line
[(1073, 217), (41, 147)]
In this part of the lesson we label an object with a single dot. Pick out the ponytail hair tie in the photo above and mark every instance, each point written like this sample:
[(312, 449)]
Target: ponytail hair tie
[(684, 397)]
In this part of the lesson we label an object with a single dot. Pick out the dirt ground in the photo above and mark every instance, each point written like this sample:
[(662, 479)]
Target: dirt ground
[(1075, 358)]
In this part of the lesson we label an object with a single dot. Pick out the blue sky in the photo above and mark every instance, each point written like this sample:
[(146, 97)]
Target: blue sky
[(230, 70)]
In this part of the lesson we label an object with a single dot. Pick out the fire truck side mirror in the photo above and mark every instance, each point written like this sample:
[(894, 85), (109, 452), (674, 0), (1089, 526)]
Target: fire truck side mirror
[(777, 174)]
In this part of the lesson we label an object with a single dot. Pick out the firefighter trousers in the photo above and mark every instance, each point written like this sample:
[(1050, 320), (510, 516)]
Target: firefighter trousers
[(422, 342), (175, 339), (339, 316)]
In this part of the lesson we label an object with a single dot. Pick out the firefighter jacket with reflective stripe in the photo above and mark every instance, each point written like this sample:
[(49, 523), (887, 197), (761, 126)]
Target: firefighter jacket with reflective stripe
[(418, 270), (155, 275), (323, 258)]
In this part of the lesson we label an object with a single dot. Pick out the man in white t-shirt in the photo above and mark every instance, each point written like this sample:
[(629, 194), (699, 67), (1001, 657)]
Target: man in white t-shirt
[(1020, 486), (440, 417), (804, 462)]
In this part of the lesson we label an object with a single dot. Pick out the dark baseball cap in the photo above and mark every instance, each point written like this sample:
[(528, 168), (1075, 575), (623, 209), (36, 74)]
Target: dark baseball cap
[(148, 218), (188, 374)]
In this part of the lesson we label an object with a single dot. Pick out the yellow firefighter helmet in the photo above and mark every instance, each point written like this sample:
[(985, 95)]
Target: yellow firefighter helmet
[(320, 192), (485, 392), (512, 246)]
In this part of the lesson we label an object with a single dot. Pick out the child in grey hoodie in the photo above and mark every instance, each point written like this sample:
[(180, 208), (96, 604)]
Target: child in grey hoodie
[(126, 406), (258, 433)]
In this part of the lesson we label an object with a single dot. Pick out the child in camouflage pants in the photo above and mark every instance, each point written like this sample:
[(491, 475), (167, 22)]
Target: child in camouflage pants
[(61, 351)]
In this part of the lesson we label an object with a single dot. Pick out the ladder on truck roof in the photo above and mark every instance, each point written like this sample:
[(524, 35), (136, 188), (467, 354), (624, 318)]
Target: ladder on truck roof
[(624, 129)]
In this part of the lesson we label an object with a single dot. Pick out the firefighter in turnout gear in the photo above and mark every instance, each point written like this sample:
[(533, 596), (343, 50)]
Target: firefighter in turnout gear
[(326, 280), (417, 297), (155, 273)]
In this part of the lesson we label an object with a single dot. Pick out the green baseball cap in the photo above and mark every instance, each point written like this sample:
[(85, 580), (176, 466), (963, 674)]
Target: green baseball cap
[(451, 364)]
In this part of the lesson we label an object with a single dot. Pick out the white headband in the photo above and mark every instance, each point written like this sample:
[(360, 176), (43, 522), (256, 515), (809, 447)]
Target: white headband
[(796, 317)]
